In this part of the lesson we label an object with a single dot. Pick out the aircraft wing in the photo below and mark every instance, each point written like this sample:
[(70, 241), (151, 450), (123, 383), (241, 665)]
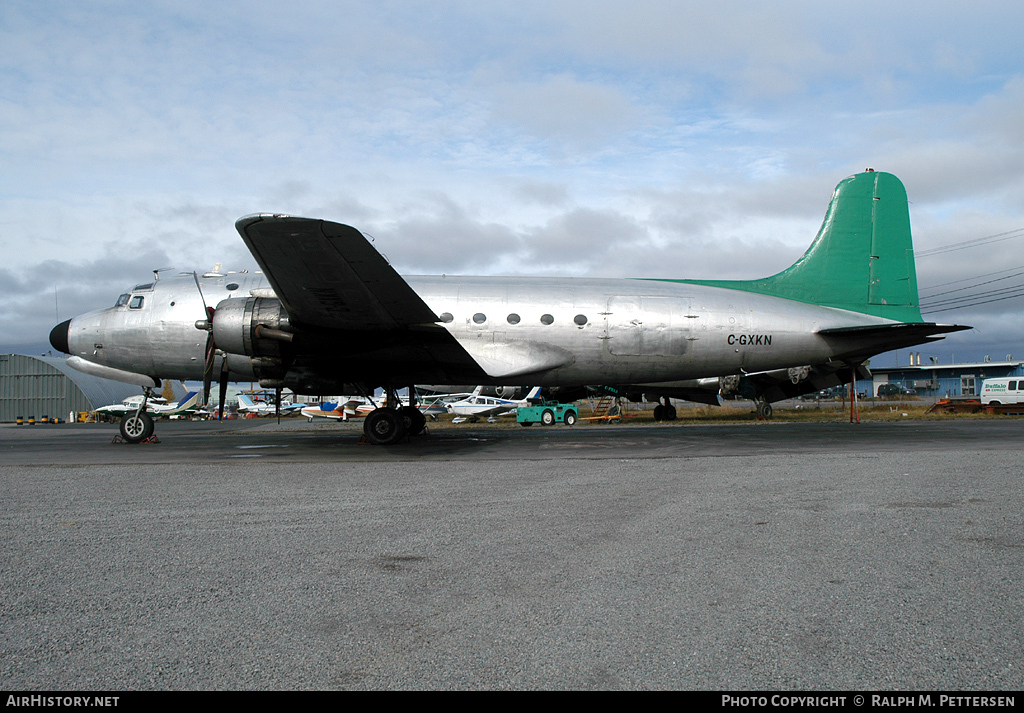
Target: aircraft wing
[(116, 409), (790, 383), (328, 275), (333, 282), (495, 411)]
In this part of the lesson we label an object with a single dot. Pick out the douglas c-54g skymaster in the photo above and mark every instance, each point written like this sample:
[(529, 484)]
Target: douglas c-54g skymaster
[(337, 318)]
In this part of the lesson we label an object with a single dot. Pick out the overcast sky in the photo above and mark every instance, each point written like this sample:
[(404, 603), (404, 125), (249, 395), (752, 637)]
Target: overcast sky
[(632, 139)]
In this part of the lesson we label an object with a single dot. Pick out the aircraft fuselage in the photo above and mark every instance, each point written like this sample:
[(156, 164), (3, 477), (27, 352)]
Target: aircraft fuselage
[(538, 331)]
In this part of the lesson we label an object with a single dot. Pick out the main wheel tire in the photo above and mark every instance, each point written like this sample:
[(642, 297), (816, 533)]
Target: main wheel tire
[(548, 417), (135, 428), (659, 413), (384, 426), (669, 413), (764, 410), (570, 418), (415, 421)]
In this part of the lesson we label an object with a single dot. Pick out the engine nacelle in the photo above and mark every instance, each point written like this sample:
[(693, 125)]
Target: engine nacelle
[(252, 326)]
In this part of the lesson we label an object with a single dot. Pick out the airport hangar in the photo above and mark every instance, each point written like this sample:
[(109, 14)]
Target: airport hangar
[(33, 387), (938, 380)]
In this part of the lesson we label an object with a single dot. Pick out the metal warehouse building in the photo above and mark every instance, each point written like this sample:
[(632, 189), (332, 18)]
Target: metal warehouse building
[(33, 387)]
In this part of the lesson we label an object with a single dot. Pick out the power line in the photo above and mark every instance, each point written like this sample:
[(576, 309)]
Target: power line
[(972, 299), (1007, 291), (976, 242), (926, 310), (971, 287), (976, 277)]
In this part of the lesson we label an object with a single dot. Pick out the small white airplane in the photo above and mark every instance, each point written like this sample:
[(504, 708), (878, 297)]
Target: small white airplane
[(131, 404), (354, 407), (262, 408), (477, 406)]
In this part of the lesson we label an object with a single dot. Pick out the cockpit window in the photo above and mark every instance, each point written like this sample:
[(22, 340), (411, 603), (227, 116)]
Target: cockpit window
[(122, 300), (141, 288), (136, 302)]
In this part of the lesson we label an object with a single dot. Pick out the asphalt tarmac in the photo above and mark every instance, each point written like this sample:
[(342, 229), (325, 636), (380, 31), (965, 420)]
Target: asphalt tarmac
[(242, 555)]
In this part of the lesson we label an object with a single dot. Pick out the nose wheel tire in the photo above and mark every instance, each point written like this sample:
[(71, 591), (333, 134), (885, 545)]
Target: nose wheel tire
[(136, 427)]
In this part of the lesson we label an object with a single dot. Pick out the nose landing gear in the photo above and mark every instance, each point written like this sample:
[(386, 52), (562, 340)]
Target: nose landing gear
[(138, 426)]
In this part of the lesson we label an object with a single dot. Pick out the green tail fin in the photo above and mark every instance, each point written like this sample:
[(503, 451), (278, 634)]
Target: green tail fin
[(862, 258)]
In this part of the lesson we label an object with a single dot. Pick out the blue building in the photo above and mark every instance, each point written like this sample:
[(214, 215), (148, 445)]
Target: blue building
[(938, 380)]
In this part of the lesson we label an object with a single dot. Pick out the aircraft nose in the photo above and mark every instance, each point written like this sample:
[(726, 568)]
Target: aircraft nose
[(59, 336)]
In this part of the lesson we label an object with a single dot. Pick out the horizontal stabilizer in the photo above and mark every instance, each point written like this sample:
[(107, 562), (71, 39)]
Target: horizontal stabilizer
[(872, 339)]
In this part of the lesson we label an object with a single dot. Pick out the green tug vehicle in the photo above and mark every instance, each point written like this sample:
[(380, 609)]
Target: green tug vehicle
[(547, 414)]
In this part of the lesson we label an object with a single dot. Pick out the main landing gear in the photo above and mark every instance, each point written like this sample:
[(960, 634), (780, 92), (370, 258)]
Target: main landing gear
[(666, 411), (393, 422)]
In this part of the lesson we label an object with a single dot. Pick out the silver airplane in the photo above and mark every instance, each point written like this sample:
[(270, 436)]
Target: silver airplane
[(333, 317)]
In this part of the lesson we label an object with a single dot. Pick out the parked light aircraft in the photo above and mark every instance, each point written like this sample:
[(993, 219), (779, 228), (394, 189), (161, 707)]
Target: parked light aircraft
[(357, 407), (476, 406), (262, 408), (131, 404), (339, 319), (360, 406)]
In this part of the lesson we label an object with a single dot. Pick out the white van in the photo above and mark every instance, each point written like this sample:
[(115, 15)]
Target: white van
[(1008, 390)]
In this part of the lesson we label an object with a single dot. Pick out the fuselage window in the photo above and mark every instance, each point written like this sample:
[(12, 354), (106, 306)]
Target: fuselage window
[(231, 286), (447, 317), (136, 302), (479, 317), (546, 319), (122, 300), (513, 318), (580, 319)]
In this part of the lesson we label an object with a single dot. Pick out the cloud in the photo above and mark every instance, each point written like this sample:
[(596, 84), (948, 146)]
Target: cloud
[(564, 109)]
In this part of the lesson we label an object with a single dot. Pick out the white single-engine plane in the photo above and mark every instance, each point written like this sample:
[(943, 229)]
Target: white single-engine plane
[(476, 406), (337, 318)]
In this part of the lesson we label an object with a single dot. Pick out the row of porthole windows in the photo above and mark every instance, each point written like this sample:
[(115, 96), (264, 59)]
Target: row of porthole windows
[(513, 318)]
